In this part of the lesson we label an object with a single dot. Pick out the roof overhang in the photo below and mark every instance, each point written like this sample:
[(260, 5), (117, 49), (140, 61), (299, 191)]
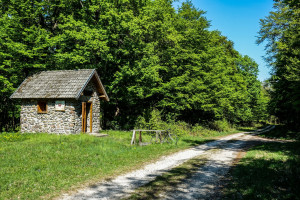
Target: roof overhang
[(101, 89)]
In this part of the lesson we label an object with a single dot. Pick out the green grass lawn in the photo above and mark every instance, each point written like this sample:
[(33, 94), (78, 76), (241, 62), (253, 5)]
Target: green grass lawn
[(34, 166), (268, 171)]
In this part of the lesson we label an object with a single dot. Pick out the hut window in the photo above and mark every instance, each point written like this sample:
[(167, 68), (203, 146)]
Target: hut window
[(42, 107)]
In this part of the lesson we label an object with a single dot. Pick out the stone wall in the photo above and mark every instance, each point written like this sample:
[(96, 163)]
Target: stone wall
[(95, 100), (96, 113), (78, 119), (62, 122), (53, 121)]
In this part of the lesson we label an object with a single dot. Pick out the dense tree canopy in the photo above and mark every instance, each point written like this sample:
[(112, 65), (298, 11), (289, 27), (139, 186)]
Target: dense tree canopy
[(148, 54), (281, 31)]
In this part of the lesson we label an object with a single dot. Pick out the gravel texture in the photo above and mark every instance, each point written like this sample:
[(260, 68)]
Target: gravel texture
[(200, 186)]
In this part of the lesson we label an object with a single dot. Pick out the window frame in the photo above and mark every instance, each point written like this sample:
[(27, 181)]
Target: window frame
[(39, 107)]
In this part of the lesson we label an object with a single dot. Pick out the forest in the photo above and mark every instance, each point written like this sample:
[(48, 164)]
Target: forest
[(281, 32), (151, 57)]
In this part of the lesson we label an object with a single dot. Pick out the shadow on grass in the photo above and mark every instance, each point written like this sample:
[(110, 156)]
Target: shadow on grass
[(282, 132), (168, 180), (269, 171), (246, 130), (196, 142)]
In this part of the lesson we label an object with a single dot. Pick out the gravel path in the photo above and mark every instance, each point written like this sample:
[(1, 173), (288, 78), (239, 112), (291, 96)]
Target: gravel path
[(200, 185)]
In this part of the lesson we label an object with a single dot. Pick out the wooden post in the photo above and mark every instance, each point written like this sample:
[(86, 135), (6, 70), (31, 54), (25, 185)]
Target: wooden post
[(133, 139), (158, 136), (140, 139)]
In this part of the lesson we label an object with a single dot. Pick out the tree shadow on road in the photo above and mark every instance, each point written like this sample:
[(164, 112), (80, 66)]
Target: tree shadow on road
[(196, 142), (268, 171), (168, 181)]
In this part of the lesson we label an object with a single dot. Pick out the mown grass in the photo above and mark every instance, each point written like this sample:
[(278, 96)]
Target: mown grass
[(268, 171), (35, 166)]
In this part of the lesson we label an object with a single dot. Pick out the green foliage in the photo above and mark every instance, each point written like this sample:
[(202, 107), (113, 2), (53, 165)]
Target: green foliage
[(179, 128), (141, 123), (155, 121), (196, 129), (281, 31), (147, 53), (220, 125)]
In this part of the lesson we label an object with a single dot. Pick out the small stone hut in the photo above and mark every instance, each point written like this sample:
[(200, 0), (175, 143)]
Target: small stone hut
[(64, 101)]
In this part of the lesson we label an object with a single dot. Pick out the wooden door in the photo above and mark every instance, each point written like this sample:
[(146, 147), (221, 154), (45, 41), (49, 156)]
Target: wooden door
[(83, 117), (87, 110)]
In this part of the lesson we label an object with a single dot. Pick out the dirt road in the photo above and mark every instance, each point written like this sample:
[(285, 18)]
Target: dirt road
[(200, 185)]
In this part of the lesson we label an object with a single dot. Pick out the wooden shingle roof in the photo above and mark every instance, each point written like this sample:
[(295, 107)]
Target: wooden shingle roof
[(59, 84)]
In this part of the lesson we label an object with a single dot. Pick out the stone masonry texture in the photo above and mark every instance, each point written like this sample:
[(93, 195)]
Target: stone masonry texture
[(68, 121)]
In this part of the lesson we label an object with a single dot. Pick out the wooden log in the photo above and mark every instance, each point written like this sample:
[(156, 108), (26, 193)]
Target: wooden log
[(160, 137), (133, 138)]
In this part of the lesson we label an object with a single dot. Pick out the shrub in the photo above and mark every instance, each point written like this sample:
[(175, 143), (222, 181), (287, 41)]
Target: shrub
[(220, 125), (179, 128), (155, 121), (196, 129), (140, 123)]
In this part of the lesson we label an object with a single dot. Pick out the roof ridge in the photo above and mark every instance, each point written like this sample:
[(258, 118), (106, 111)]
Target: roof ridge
[(57, 84), (59, 70)]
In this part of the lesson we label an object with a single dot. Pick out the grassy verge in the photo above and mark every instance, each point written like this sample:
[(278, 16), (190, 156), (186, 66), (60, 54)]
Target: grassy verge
[(34, 166), (282, 132), (268, 171)]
